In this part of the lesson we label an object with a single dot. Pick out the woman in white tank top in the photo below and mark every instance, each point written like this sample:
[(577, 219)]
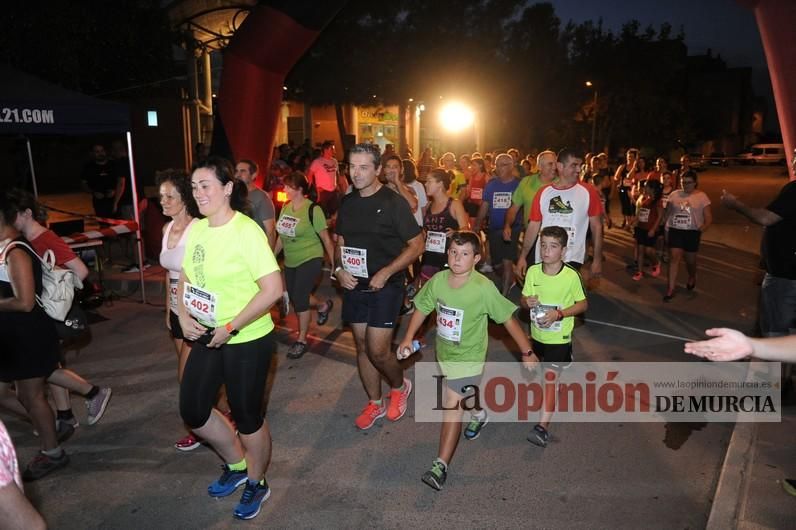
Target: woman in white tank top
[(178, 203)]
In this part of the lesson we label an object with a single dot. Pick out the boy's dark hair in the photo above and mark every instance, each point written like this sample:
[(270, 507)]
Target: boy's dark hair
[(467, 237), (556, 232)]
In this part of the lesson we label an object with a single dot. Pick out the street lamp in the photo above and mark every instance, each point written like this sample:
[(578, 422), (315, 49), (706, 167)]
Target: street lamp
[(594, 116), (456, 117)]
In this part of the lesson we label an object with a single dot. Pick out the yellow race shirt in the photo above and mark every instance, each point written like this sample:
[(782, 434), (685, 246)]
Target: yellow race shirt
[(226, 262)]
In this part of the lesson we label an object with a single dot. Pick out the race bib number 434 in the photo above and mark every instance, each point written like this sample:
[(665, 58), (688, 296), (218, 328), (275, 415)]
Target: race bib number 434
[(449, 323)]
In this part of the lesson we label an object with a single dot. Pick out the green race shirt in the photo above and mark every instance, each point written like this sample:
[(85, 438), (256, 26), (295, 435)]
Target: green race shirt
[(558, 291), (462, 317), (227, 261), (300, 237), (524, 194)]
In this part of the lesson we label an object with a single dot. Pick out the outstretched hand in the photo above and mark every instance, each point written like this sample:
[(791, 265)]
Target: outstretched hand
[(727, 345)]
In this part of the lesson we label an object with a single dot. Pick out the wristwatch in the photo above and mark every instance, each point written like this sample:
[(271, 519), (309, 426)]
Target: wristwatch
[(333, 276), (232, 331)]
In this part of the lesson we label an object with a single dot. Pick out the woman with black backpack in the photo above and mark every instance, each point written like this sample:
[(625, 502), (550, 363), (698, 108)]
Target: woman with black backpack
[(304, 236)]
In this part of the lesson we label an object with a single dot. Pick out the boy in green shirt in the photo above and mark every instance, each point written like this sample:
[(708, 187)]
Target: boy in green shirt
[(463, 299), (554, 293)]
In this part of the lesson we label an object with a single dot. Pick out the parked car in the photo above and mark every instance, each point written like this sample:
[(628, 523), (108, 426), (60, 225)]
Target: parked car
[(764, 154), (697, 161), (715, 159)]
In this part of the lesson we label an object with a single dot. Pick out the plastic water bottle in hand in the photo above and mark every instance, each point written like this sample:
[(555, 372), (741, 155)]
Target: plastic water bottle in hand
[(416, 345)]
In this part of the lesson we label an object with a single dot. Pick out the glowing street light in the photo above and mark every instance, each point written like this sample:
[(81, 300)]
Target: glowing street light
[(594, 116), (456, 117)]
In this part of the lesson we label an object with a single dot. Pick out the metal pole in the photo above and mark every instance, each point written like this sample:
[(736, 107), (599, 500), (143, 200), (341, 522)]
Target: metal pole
[(139, 242), (32, 171), (594, 122)]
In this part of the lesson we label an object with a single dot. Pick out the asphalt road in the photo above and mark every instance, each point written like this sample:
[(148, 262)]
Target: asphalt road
[(754, 185), (325, 474)]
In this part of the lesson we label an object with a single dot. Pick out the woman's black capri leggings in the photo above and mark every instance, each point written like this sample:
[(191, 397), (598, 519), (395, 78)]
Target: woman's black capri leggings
[(243, 368), (300, 281)]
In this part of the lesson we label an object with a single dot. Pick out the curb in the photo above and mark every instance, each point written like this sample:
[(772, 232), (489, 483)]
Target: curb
[(731, 490)]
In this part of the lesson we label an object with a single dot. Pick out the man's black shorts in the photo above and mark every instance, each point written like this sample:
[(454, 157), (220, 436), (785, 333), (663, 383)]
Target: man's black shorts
[(377, 309)]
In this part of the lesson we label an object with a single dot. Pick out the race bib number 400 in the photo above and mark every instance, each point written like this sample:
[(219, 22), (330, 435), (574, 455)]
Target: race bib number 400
[(435, 242), (449, 323), (287, 226), (355, 261), (501, 200), (201, 304)]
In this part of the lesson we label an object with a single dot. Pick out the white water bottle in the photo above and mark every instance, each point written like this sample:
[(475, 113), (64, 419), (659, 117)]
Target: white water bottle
[(416, 345)]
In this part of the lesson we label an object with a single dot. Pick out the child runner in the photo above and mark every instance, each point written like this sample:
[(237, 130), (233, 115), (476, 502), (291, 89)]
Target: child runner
[(554, 293), (463, 299), (649, 213)]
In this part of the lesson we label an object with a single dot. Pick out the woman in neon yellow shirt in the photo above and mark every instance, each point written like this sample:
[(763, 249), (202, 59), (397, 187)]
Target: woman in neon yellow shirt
[(229, 281)]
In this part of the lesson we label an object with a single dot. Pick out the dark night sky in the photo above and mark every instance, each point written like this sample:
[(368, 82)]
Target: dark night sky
[(723, 26)]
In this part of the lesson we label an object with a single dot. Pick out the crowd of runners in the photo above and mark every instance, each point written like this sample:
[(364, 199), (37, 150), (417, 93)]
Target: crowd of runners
[(397, 237)]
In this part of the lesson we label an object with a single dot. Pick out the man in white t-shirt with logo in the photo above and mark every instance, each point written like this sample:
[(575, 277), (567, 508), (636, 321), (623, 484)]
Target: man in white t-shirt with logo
[(323, 175), (572, 205)]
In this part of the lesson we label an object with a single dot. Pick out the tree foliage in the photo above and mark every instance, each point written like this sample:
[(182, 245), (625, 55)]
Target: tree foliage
[(522, 66)]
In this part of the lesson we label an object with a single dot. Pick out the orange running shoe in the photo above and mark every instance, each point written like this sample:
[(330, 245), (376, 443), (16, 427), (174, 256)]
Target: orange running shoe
[(398, 400), (369, 415)]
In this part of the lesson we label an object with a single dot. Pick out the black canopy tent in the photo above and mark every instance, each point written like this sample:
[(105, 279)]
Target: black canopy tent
[(30, 106)]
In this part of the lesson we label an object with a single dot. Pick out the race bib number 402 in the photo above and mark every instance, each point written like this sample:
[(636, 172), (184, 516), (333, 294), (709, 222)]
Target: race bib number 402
[(355, 261), (201, 304)]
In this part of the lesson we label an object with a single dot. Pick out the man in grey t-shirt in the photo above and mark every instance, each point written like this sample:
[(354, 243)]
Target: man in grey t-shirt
[(262, 206)]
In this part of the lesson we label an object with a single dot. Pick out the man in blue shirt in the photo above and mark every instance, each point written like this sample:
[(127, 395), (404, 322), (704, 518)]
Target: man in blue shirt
[(496, 202)]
